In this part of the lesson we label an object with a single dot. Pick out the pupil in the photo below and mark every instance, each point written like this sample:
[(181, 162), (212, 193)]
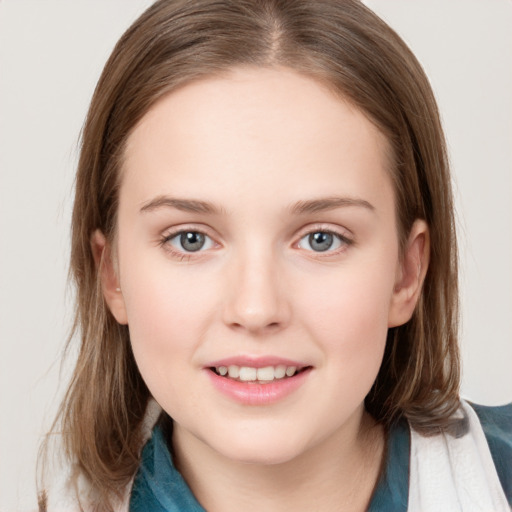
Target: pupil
[(192, 241), (320, 241)]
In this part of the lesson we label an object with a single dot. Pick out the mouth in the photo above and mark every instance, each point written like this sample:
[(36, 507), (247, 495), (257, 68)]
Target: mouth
[(260, 375), (257, 381)]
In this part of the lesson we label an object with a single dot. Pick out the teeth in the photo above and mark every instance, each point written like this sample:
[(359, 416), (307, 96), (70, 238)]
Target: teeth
[(266, 373), (279, 371), (234, 371), (290, 370), (249, 374)]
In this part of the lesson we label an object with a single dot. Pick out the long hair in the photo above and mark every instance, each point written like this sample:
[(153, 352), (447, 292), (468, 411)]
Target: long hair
[(342, 44)]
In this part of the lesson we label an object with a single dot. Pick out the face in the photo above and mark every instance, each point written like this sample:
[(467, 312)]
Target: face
[(257, 254)]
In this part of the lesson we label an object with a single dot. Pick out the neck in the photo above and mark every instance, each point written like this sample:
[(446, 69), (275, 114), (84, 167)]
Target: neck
[(339, 473)]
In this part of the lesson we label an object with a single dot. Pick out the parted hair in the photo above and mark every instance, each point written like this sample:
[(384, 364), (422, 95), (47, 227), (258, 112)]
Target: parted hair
[(342, 44)]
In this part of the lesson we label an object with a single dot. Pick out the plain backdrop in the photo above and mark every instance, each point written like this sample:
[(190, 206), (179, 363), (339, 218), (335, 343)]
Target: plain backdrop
[(51, 55)]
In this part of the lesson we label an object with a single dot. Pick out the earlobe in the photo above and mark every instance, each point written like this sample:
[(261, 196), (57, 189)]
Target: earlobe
[(105, 266), (410, 274)]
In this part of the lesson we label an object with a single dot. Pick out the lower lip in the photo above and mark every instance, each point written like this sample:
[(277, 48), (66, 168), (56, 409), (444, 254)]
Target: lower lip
[(253, 393)]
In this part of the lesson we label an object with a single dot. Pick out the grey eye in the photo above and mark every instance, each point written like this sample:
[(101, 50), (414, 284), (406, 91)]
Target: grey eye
[(191, 241), (320, 241)]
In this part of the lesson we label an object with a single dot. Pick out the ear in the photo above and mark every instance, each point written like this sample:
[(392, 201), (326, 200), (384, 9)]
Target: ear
[(105, 266), (411, 271)]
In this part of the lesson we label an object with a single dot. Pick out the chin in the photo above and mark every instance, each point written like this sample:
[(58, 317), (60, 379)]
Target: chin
[(259, 450)]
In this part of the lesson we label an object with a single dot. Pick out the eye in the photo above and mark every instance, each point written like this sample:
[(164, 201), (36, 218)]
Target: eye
[(190, 241), (322, 241)]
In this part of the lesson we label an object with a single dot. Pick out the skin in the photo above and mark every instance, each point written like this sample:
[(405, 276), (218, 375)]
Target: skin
[(256, 144)]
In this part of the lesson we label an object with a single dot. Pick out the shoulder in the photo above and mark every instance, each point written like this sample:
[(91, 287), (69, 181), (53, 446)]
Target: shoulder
[(497, 426)]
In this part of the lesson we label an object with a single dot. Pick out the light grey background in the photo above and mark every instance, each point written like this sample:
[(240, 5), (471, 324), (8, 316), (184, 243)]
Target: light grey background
[(51, 54)]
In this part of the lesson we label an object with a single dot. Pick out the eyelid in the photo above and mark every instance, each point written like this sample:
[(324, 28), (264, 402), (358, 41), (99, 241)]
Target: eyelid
[(176, 230), (173, 232), (208, 241), (343, 234)]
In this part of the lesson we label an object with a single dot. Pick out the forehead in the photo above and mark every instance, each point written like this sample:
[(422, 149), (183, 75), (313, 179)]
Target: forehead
[(250, 131)]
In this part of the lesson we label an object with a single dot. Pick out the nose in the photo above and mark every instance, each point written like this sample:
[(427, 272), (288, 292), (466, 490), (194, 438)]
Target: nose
[(257, 301)]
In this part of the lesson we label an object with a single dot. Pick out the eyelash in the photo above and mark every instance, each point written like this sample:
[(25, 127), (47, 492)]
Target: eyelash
[(186, 256), (343, 239), (181, 255)]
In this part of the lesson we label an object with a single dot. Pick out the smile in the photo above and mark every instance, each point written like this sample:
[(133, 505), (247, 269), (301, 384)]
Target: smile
[(257, 381), (262, 375)]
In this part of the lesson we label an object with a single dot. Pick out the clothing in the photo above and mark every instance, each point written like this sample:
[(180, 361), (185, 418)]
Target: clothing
[(159, 487), (460, 470)]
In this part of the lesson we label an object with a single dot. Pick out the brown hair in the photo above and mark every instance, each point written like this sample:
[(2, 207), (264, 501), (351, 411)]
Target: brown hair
[(344, 45)]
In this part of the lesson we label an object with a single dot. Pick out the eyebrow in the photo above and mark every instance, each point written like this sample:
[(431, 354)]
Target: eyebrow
[(300, 207), (185, 205), (329, 203)]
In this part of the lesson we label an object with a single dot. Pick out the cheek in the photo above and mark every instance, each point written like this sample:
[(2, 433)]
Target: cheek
[(349, 319), (352, 300), (167, 311), (161, 296)]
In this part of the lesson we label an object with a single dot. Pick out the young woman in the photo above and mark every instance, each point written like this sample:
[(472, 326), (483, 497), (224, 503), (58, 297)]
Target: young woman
[(266, 266)]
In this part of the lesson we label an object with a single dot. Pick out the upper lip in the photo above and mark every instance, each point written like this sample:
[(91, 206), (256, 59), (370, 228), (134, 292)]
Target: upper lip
[(255, 362)]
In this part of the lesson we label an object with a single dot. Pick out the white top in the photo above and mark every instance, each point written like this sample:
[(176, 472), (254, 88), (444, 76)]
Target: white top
[(452, 475)]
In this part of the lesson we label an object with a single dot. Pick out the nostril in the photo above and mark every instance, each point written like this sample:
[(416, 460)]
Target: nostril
[(272, 326)]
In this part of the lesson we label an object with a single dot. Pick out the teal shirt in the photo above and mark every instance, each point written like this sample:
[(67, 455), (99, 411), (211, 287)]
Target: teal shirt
[(159, 487)]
